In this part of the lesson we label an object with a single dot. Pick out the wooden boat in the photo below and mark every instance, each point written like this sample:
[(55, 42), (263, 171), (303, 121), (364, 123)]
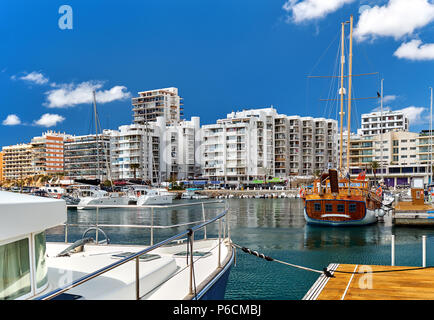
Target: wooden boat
[(341, 201)]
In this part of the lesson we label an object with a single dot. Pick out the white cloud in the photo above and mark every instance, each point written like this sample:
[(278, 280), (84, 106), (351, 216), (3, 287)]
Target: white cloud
[(34, 77), (415, 50), (389, 98), (396, 19), (312, 9), (11, 120), (68, 95), (378, 109), (49, 120), (414, 114)]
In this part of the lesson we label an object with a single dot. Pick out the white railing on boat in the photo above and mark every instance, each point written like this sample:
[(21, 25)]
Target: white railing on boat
[(189, 233), (152, 226)]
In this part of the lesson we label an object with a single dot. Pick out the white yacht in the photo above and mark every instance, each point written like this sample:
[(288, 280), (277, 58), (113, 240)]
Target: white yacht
[(53, 192), (91, 195), (32, 268), (192, 194), (154, 196)]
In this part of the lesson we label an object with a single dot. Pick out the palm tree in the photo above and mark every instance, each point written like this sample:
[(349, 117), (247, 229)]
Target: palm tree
[(374, 167)]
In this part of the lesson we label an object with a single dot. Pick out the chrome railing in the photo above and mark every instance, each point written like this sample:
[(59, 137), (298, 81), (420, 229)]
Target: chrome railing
[(152, 226), (189, 233)]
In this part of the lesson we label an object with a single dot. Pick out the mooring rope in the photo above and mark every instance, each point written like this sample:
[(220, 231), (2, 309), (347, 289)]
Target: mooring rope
[(324, 271), (268, 258)]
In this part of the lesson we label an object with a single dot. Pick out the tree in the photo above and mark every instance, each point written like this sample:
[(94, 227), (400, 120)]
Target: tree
[(374, 167)]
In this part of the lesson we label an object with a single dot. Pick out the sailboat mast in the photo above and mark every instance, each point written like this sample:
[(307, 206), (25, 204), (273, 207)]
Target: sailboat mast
[(96, 136), (342, 95), (381, 131), (350, 65)]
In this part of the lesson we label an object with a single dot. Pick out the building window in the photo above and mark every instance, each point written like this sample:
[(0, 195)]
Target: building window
[(328, 207), (317, 206), (341, 208)]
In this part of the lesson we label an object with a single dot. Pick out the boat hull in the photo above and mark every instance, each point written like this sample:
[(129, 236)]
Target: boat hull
[(216, 288), (369, 218), (90, 201), (150, 200)]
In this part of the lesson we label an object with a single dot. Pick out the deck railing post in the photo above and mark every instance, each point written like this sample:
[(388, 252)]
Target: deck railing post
[(137, 279), (152, 226), (66, 232), (96, 235), (393, 250), (424, 251), (203, 217), (190, 249), (220, 233), (227, 220)]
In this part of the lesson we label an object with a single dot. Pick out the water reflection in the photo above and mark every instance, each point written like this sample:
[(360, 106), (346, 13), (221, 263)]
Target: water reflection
[(275, 227)]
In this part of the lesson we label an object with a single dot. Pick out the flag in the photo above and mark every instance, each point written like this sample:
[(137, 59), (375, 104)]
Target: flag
[(361, 175), (379, 191)]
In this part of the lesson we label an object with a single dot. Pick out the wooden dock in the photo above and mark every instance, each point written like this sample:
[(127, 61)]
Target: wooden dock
[(407, 213), (359, 284)]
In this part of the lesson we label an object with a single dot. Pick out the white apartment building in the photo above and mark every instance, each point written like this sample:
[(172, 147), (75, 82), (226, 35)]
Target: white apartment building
[(156, 151), (373, 122), (134, 152), (252, 144), (151, 104), (180, 144)]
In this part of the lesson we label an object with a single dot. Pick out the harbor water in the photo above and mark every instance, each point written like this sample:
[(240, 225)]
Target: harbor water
[(274, 227)]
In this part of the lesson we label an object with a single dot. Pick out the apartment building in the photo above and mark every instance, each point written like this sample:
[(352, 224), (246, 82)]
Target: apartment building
[(399, 152), (156, 151), (17, 161), (87, 157), (180, 149), (240, 148), (134, 151), (47, 152), (151, 104), (1, 166), (373, 122), (252, 144), (353, 136)]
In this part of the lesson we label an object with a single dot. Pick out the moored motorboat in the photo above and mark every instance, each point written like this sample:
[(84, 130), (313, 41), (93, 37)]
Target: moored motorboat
[(154, 197), (85, 269)]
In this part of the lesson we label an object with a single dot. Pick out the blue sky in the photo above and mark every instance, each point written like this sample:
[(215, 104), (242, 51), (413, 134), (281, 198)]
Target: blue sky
[(222, 55)]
